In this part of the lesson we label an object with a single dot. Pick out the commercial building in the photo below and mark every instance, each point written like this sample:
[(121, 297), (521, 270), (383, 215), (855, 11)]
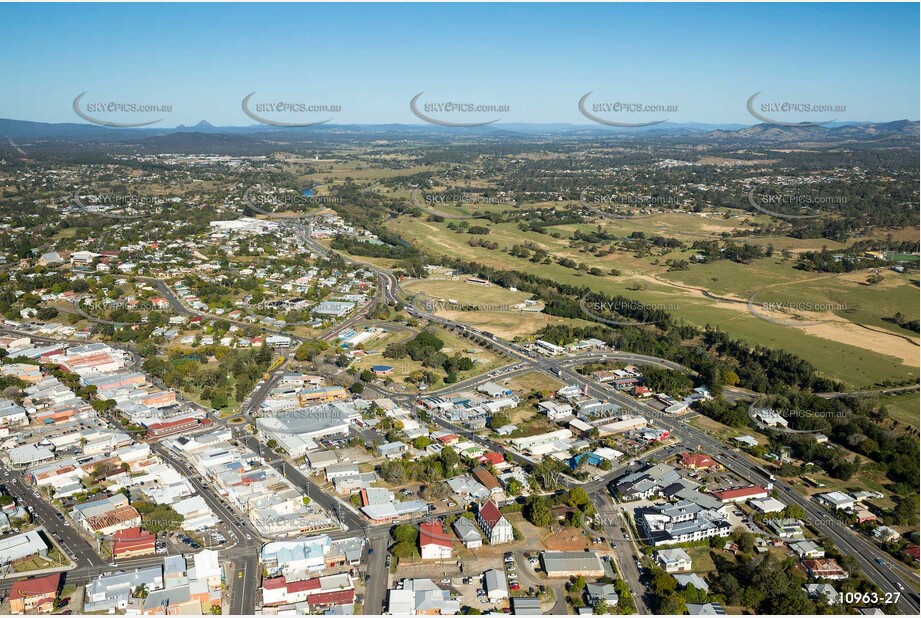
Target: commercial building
[(572, 563)]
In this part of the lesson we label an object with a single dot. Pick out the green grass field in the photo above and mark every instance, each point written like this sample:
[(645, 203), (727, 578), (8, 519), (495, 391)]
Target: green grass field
[(837, 351), (904, 408)]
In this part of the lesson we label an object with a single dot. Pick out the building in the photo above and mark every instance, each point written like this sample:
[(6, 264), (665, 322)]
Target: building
[(807, 549), (706, 609), (37, 594), (495, 585), (681, 522), (837, 500), (320, 460), (494, 390), (434, 542), (487, 480), (572, 563), (601, 592), (555, 410), (822, 591), (824, 568), (20, 546), (697, 461), (741, 494), (770, 418), (691, 579), (132, 542), (421, 597), (768, 505), (107, 593), (391, 450), (526, 606), (674, 560), (497, 528), (467, 532)]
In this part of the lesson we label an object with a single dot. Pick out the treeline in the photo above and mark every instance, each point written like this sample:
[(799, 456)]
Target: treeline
[(355, 246), (742, 253)]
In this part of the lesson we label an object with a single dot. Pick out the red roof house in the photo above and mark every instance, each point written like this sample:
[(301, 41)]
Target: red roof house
[(697, 461), (35, 594), (742, 494), (133, 542)]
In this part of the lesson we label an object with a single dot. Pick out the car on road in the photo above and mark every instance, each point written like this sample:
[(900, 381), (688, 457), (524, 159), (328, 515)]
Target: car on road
[(113, 564)]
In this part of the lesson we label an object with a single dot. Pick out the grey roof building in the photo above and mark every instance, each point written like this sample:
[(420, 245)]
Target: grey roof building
[(526, 606), (571, 563), (706, 609), (468, 532)]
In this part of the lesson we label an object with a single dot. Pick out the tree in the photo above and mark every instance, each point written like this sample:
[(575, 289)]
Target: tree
[(577, 497), (673, 605), (406, 533), (357, 388), (537, 511), (403, 550), (309, 350), (905, 512)]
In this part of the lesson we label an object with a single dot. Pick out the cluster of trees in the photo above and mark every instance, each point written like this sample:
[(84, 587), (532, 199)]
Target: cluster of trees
[(445, 464), (482, 242), (744, 253), (854, 424), (662, 380), (729, 414), (426, 348), (191, 372), (309, 350), (405, 542), (538, 509), (356, 246)]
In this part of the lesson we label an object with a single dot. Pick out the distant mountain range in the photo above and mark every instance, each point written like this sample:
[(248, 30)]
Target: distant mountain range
[(206, 134)]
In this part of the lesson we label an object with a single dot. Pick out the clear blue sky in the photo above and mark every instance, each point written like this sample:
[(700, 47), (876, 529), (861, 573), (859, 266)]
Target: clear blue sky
[(539, 59)]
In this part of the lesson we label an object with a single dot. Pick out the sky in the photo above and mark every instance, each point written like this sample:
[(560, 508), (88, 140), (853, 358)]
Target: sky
[(701, 61)]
